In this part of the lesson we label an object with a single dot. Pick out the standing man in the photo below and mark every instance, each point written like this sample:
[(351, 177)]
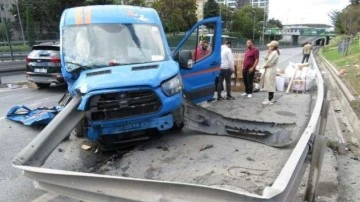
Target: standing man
[(251, 59), (306, 52), (226, 70)]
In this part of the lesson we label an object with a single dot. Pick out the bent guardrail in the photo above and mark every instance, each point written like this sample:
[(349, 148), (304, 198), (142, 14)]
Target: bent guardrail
[(94, 187)]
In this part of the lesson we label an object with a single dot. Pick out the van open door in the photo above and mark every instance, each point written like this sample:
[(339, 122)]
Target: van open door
[(200, 60)]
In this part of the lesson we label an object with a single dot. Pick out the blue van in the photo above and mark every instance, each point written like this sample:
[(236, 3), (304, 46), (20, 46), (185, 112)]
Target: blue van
[(118, 59)]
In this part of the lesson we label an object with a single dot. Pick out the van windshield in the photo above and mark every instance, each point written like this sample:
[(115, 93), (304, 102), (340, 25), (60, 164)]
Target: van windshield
[(102, 45)]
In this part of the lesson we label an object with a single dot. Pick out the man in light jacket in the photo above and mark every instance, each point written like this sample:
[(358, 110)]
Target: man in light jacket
[(306, 52), (226, 70)]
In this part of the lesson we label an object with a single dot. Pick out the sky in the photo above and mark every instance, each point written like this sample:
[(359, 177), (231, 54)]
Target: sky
[(304, 11)]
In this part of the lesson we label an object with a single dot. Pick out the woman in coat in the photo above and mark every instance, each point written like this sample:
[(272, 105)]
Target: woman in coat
[(269, 77)]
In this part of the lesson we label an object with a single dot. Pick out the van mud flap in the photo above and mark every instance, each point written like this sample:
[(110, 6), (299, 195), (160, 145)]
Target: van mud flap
[(269, 133)]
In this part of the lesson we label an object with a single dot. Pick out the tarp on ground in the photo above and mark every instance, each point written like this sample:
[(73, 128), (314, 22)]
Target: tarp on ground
[(27, 116)]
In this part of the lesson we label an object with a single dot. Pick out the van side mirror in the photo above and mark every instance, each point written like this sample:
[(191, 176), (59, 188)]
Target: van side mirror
[(183, 57)]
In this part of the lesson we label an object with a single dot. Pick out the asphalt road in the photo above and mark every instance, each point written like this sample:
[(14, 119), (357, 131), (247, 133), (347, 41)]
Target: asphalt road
[(14, 137), (12, 67), (13, 185)]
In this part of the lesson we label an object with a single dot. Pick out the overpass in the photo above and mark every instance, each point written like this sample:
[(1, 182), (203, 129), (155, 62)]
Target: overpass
[(299, 34)]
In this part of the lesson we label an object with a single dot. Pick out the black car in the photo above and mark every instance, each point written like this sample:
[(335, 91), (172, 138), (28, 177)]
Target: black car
[(43, 65)]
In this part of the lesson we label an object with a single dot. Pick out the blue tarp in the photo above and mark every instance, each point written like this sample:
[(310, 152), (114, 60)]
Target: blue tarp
[(27, 116)]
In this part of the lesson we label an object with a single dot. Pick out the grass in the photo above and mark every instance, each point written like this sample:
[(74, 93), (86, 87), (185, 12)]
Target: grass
[(15, 48), (349, 63)]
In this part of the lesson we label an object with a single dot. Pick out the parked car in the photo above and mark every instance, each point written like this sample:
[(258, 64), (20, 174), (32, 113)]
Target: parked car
[(43, 65)]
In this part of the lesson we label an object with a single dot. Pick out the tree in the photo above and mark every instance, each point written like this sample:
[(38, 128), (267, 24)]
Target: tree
[(3, 31), (247, 20), (211, 9), (45, 15), (99, 2), (350, 19), (354, 2), (29, 28), (335, 17), (347, 21), (176, 15), (135, 2), (226, 16), (273, 23)]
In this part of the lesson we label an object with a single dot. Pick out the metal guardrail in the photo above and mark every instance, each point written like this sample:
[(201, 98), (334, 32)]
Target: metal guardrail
[(94, 187), (5, 56)]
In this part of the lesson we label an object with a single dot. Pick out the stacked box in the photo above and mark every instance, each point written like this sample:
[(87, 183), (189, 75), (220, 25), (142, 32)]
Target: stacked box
[(237, 84), (238, 61)]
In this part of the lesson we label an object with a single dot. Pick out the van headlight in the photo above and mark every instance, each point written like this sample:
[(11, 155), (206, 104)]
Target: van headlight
[(172, 86)]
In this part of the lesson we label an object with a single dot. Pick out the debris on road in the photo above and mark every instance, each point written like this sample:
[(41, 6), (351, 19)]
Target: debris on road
[(355, 158), (249, 159), (13, 86), (85, 147), (208, 146), (163, 148), (27, 116)]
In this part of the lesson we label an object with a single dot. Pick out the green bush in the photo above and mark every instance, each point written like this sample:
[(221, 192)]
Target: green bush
[(15, 48)]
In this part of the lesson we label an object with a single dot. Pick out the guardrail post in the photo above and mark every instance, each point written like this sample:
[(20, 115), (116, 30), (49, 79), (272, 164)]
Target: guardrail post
[(317, 154)]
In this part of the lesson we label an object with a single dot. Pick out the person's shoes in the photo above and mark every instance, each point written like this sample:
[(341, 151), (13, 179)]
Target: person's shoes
[(267, 102), (230, 98), (244, 94), (220, 98), (249, 96)]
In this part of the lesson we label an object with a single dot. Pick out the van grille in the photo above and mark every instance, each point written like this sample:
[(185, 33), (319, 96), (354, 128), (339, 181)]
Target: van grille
[(126, 104)]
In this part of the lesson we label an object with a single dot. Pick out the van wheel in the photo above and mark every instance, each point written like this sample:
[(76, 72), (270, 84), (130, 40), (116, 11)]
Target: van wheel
[(178, 127), (43, 85)]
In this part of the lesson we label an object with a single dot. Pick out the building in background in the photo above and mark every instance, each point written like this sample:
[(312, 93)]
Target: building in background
[(200, 9), (229, 3), (241, 3), (260, 3)]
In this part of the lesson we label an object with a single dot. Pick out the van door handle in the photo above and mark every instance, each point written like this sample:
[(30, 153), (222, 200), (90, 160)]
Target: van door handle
[(214, 63)]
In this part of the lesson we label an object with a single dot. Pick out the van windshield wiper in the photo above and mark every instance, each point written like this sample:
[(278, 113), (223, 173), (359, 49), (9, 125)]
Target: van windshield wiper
[(83, 67)]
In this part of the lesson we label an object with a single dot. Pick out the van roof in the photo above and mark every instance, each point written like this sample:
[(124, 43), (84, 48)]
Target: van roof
[(109, 14)]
